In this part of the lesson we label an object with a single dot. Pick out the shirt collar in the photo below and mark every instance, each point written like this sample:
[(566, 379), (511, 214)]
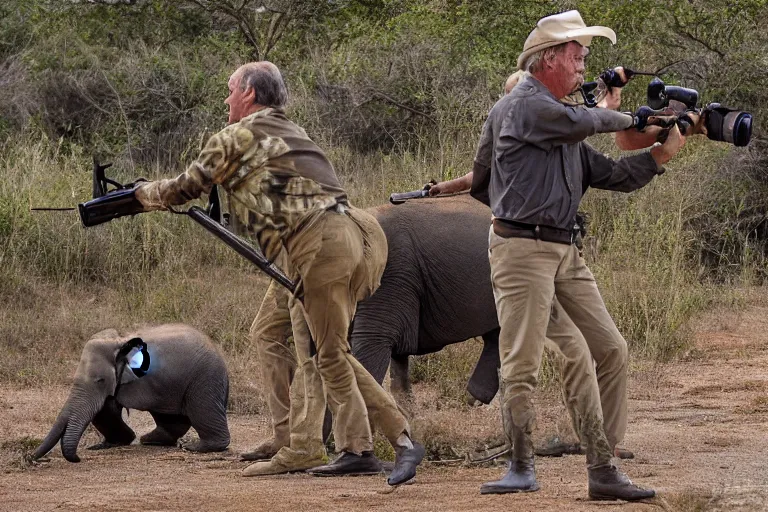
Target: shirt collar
[(532, 82)]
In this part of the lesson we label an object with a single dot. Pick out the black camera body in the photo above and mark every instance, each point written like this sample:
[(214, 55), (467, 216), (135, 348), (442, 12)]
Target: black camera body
[(721, 123), (660, 94)]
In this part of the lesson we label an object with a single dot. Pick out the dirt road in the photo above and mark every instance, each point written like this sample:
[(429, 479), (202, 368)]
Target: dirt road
[(699, 428)]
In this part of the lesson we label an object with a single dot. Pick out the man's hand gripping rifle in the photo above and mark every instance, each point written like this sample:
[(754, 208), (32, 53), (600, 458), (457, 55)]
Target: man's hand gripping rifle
[(401, 197), (121, 201)]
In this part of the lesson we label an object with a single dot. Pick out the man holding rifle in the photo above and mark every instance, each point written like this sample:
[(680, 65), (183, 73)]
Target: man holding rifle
[(285, 192)]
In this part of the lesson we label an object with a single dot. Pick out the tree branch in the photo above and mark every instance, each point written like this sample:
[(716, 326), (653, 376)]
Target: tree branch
[(387, 99)]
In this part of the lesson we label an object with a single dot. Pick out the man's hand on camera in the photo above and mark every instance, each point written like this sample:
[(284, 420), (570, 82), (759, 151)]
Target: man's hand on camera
[(671, 146), (641, 117), (646, 116), (612, 99)]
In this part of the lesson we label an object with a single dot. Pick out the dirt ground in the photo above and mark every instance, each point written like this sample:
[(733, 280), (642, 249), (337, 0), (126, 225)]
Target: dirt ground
[(699, 428)]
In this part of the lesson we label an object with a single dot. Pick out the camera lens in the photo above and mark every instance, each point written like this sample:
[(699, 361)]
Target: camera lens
[(738, 128)]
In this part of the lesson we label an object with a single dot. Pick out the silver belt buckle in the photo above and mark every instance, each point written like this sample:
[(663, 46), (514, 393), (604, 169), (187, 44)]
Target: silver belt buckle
[(338, 208)]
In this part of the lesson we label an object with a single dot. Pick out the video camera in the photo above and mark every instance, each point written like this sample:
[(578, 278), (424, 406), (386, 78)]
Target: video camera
[(715, 121)]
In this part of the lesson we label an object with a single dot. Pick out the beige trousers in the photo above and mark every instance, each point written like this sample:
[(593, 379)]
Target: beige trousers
[(270, 332), (527, 276), (338, 261)]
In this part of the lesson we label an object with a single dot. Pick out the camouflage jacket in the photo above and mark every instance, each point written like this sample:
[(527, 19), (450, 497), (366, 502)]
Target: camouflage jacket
[(276, 177)]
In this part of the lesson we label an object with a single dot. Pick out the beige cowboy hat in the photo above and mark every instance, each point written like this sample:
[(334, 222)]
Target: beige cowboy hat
[(561, 28)]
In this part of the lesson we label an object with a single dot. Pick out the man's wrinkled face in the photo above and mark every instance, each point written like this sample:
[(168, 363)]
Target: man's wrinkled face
[(238, 100), (570, 66)]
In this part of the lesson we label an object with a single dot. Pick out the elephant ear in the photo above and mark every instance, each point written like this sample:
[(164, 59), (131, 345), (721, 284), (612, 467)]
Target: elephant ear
[(132, 361)]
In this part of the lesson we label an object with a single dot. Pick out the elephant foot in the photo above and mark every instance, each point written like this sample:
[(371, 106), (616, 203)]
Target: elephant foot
[(202, 446), (158, 437), (104, 445)]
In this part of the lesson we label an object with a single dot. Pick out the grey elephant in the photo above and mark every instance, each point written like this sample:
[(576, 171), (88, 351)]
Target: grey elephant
[(435, 291), (173, 371)]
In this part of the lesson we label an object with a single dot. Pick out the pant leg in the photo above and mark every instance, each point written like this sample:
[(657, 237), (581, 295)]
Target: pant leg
[(307, 396), (270, 332), (326, 257), (580, 390), (383, 411), (581, 299), (522, 274)]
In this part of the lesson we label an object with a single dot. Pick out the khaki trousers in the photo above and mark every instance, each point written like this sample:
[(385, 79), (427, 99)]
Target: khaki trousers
[(527, 275), (307, 399), (338, 259), (270, 332)]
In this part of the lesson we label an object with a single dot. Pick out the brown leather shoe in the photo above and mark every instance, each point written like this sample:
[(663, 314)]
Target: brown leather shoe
[(276, 466), (623, 453), (608, 483), (557, 448), (264, 451), (350, 464)]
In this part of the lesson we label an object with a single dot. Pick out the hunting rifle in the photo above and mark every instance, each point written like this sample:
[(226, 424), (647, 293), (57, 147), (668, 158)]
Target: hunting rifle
[(121, 201)]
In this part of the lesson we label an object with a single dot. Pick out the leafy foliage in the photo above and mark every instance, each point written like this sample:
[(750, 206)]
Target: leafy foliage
[(396, 92)]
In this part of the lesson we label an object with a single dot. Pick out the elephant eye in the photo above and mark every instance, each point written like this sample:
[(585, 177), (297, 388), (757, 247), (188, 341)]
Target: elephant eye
[(99, 380)]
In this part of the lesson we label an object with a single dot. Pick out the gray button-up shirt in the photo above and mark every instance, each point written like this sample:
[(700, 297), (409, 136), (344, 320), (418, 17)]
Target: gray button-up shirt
[(541, 166)]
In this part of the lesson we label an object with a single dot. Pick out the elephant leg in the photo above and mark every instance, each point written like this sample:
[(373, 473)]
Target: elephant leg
[(169, 428), (109, 422), (400, 379), (484, 382), (209, 419)]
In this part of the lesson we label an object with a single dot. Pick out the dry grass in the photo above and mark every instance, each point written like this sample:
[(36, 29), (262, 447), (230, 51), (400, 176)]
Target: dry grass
[(692, 501), (61, 283)]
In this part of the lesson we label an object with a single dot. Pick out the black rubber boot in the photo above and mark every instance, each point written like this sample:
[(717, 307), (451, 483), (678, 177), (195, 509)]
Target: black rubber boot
[(521, 477), (608, 483), (406, 460), (350, 464)]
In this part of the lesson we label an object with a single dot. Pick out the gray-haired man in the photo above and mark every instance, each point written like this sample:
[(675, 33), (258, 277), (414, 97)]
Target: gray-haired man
[(539, 169), (285, 192)]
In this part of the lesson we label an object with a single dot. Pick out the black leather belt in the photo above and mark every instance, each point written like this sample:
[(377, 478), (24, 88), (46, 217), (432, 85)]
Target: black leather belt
[(509, 229)]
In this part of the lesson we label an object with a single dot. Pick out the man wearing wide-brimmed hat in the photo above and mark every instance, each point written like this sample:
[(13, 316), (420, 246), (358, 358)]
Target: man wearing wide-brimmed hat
[(539, 168)]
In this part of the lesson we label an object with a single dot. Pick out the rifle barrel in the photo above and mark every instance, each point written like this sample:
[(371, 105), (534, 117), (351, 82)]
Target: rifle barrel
[(43, 209), (241, 247)]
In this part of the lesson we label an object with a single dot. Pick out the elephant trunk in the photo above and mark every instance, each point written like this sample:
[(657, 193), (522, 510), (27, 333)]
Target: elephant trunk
[(78, 412), (53, 436)]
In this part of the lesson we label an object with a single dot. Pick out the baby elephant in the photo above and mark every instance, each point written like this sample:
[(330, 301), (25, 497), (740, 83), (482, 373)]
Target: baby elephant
[(172, 371)]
